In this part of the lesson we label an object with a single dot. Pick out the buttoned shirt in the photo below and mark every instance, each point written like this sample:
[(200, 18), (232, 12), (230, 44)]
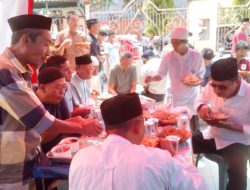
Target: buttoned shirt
[(177, 67), (22, 120), (74, 50), (68, 97), (238, 110), (80, 90), (120, 165), (151, 69)]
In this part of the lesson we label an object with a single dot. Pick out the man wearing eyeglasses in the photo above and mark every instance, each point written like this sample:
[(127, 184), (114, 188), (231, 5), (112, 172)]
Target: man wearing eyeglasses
[(225, 106), (178, 64)]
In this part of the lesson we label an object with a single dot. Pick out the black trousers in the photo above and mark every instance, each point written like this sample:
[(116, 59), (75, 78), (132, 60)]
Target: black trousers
[(235, 155), (156, 97)]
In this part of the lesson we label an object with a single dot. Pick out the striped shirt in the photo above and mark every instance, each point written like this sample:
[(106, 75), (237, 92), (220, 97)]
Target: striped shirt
[(22, 120)]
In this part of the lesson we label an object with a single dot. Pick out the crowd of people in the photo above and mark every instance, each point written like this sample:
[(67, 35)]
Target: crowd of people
[(82, 67)]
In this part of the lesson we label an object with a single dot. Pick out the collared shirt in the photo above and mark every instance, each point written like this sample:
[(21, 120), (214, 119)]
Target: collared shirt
[(22, 120), (179, 66), (80, 90), (151, 69), (238, 110), (122, 80), (74, 50), (112, 50), (68, 97), (120, 165)]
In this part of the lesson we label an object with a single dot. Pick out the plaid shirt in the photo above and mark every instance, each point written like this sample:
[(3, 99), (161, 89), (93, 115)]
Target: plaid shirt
[(22, 119)]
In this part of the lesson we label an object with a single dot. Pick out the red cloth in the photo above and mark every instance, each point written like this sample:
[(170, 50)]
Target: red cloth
[(244, 65)]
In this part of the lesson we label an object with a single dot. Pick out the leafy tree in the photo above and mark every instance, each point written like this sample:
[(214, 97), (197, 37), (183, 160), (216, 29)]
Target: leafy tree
[(240, 2)]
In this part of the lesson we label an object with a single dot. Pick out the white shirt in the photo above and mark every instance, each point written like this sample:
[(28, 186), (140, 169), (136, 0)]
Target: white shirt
[(80, 90), (238, 110), (179, 66), (151, 69), (118, 164), (112, 50), (68, 97)]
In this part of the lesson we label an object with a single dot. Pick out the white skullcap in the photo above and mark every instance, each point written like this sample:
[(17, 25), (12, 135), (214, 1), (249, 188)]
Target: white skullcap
[(95, 61), (180, 34)]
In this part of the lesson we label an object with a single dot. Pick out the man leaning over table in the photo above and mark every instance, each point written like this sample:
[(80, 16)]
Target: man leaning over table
[(227, 93), (23, 117), (121, 163), (63, 65), (179, 63)]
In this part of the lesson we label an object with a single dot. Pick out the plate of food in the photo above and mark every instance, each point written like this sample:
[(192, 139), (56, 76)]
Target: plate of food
[(165, 118), (61, 153), (192, 80), (171, 130), (150, 141)]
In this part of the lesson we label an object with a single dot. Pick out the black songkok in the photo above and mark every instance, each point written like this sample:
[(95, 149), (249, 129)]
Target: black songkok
[(83, 60), (224, 69), (120, 108), (29, 21), (49, 74)]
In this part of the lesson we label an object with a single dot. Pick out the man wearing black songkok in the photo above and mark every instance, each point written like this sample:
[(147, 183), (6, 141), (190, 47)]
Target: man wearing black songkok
[(224, 105), (122, 163), (23, 118)]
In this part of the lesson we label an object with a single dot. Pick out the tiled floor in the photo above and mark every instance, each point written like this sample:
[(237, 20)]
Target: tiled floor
[(209, 170)]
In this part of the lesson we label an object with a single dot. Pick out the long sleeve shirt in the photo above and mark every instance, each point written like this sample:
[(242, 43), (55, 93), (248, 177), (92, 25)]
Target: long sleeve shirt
[(119, 164), (238, 110)]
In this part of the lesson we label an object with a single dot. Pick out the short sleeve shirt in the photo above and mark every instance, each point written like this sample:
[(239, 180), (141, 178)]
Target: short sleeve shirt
[(122, 80)]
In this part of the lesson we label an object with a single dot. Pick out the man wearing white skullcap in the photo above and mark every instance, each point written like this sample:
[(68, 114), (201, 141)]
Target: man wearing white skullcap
[(179, 63)]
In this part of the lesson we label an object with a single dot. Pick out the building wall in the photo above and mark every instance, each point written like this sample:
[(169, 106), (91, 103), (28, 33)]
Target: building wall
[(203, 12)]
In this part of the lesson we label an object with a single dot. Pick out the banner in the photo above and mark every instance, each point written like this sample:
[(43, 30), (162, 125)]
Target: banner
[(8, 9)]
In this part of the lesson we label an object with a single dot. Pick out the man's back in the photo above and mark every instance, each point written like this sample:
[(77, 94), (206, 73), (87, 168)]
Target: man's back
[(119, 164)]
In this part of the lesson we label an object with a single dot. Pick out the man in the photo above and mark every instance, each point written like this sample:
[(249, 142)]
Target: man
[(71, 42), (208, 55), (240, 55), (226, 94), (178, 64), (79, 85), (95, 82), (240, 34), (23, 117), (63, 65), (155, 89), (113, 50), (122, 77), (94, 27), (122, 163)]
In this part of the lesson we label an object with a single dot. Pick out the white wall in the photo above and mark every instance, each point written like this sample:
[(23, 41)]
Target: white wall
[(8, 9), (203, 9)]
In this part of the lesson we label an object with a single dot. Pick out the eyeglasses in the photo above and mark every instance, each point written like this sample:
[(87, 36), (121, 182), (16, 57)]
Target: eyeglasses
[(61, 87), (219, 86)]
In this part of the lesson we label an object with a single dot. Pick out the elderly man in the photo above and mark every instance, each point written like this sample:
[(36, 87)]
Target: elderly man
[(154, 89), (122, 163), (123, 77), (71, 42), (228, 95), (80, 88), (23, 117), (178, 64), (240, 34), (62, 64)]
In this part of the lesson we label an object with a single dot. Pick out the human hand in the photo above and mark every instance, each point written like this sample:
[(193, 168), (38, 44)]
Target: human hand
[(67, 42), (205, 113), (82, 111), (148, 79), (91, 127), (166, 145)]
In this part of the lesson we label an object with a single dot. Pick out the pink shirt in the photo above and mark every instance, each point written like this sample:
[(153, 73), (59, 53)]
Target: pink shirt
[(238, 36)]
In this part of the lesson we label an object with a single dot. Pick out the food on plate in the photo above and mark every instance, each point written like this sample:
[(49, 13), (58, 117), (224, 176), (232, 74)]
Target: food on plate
[(243, 73), (192, 80), (150, 141), (70, 141), (219, 116), (171, 130), (73, 142), (165, 118), (61, 151)]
